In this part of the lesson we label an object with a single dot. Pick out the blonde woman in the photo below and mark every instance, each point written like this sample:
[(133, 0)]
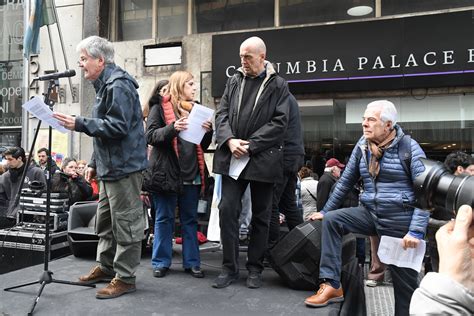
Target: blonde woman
[(178, 173)]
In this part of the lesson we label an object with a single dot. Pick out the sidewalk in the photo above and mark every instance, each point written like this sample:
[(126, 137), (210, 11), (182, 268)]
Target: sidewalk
[(176, 294)]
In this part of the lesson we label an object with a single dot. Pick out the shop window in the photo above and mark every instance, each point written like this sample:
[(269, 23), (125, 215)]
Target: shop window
[(293, 12), (225, 15), (440, 124), (392, 7)]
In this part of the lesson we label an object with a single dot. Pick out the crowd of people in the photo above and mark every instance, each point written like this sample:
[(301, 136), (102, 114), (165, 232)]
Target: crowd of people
[(257, 124)]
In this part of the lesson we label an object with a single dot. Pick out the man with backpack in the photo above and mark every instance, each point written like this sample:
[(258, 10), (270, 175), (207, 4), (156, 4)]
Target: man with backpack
[(380, 160)]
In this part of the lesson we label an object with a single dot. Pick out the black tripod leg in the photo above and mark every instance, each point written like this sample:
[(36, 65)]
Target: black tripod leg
[(21, 285), (43, 284), (72, 283)]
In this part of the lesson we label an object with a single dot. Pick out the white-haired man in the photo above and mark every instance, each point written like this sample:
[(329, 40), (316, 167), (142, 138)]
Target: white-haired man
[(119, 157), (384, 205)]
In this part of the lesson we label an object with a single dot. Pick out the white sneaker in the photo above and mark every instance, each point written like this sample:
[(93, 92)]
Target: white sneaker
[(373, 283)]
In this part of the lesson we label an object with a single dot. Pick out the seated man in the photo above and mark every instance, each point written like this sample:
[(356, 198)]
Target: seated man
[(10, 183), (384, 205)]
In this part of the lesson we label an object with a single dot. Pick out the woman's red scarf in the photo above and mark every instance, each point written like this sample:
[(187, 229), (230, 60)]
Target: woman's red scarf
[(170, 117)]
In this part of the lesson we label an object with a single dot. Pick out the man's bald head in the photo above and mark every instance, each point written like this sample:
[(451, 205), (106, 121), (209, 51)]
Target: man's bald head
[(252, 56), (256, 44)]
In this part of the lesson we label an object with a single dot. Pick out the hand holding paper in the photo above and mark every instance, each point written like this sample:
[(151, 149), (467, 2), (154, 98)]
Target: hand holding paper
[(195, 130), (40, 110), (391, 251)]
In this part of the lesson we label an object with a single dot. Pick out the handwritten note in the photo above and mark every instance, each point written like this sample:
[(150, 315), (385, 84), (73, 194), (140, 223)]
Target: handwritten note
[(195, 132), (41, 111)]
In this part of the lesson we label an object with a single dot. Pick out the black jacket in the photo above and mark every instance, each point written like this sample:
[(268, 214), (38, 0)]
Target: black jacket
[(54, 168), (9, 188), (116, 125), (324, 189), (293, 148), (267, 125), (77, 189), (163, 160)]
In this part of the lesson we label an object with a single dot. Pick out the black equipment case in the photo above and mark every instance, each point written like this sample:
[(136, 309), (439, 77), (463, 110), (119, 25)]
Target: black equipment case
[(21, 248), (36, 201)]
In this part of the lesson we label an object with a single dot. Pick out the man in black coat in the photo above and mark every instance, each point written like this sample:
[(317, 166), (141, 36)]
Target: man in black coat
[(284, 197), (250, 124), (332, 172), (43, 156)]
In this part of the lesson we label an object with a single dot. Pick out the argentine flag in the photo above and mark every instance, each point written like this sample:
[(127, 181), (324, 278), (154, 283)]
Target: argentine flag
[(42, 13)]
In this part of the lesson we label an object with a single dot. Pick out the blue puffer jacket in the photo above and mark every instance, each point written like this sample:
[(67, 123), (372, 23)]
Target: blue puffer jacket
[(388, 196), (116, 125)]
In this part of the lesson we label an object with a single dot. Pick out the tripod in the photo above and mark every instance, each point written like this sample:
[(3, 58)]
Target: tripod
[(47, 276)]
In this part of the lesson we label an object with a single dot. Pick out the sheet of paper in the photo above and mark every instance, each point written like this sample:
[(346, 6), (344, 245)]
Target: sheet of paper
[(195, 132), (391, 252), (237, 166), (41, 111)]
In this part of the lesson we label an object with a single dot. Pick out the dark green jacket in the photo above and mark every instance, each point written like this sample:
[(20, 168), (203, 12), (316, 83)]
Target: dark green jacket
[(116, 125)]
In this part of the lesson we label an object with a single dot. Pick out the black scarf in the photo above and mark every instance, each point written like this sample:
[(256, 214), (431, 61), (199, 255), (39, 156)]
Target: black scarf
[(15, 173)]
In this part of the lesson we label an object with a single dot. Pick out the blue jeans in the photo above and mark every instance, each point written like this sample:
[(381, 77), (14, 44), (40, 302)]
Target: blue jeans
[(165, 205), (360, 221)]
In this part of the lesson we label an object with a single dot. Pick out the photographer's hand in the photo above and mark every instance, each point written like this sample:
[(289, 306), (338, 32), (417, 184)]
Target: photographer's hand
[(456, 248)]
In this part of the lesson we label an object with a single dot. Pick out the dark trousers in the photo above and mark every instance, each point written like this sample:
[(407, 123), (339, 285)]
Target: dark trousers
[(230, 207), (359, 220), (284, 201)]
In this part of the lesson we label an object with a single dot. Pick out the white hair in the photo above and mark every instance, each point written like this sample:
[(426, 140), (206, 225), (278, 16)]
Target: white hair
[(388, 112), (97, 47)]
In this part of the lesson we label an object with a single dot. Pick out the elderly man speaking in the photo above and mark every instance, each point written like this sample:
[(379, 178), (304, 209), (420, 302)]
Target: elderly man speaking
[(384, 205)]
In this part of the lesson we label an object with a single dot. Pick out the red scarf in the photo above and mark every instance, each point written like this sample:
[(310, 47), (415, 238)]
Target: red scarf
[(170, 117)]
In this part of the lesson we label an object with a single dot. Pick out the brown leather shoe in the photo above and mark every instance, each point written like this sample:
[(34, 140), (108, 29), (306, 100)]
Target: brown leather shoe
[(325, 295), (114, 289), (94, 276)]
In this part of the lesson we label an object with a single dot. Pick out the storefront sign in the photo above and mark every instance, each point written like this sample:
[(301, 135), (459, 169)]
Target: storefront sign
[(11, 93), (11, 65), (413, 52)]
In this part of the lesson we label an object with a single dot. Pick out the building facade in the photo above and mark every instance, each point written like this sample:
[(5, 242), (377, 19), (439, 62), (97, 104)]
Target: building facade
[(337, 58)]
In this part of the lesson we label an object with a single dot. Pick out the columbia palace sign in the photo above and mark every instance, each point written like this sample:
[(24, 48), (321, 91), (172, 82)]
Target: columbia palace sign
[(414, 52)]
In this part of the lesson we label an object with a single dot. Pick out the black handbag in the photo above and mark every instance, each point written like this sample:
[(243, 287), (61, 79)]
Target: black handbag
[(162, 177)]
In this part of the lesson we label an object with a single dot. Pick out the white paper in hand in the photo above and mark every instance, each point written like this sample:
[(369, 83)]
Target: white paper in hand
[(391, 252), (195, 132), (40, 110), (237, 166)]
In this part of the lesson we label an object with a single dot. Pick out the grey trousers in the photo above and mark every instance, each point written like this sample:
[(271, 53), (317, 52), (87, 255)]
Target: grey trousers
[(120, 226)]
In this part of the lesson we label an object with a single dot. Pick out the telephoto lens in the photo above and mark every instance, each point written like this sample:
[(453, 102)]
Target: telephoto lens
[(437, 187)]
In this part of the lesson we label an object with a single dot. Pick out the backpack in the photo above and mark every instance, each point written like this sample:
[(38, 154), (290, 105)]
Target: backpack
[(404, 153)]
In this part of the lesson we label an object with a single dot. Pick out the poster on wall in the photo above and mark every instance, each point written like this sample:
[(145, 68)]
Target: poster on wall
[(59, 148)]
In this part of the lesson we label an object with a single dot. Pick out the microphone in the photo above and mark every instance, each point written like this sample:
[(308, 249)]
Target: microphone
[(57, 75)]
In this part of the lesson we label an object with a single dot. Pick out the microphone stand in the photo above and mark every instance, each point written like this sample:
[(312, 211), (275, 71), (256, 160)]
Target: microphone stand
[(46, 277)]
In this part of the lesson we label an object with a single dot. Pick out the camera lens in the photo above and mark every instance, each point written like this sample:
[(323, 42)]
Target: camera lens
[(437, 187)]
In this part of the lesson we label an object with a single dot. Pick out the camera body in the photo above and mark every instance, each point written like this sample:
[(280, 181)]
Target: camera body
[(437, 188)]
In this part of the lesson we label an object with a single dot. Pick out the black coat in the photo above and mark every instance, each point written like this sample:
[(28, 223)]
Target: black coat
[(163, 162), (293, 149), (77, 188), (324, 189), (266, 128)]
